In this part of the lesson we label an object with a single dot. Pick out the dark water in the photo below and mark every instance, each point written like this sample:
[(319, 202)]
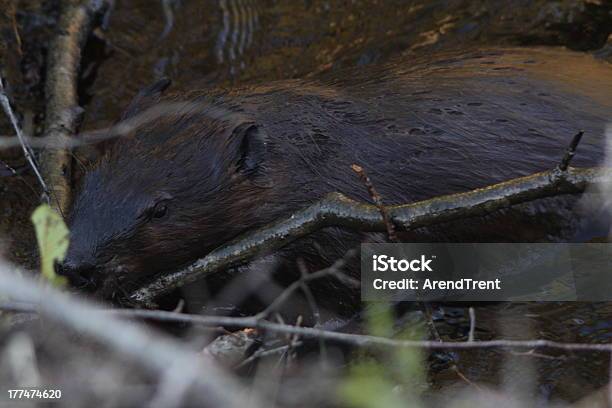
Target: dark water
[(232, 42)]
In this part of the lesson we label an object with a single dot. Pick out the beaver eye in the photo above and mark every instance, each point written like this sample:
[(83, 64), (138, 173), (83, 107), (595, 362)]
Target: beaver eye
[(159, 211)]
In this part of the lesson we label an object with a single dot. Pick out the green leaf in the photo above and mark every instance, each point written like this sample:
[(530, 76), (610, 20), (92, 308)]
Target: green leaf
[(52, 237)]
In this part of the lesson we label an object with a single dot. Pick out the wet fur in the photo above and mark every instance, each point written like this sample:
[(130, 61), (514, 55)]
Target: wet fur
[(234, 160)]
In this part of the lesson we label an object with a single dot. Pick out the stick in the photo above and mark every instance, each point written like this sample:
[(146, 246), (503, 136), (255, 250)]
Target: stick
[(333, 270), (265, 353), (157, 353), (472, 324), (377, 201), (27, 151), (310, 297), (62, 109), (340, 211), (571, 151), (357, 340)]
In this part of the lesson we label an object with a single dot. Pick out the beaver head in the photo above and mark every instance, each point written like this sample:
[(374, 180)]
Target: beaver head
[(178, 185)]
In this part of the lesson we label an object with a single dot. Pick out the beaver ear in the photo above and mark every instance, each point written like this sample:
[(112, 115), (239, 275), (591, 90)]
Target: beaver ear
[(146, 97), (253, 146)]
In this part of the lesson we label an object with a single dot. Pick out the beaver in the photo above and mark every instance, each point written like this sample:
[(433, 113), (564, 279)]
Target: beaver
[(217, 163)]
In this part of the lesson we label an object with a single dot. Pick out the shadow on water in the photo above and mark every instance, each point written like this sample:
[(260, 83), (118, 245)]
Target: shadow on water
[(229, 42)]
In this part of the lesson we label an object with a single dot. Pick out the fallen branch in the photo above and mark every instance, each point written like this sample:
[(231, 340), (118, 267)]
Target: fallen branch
[(340, 211), (357, 340), (62, 103), (158, 353)]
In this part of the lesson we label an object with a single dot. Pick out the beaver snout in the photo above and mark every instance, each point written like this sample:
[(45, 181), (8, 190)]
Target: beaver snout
[(80, 274)]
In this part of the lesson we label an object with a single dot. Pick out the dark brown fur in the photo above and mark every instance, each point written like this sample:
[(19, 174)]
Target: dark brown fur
[(230, 161)]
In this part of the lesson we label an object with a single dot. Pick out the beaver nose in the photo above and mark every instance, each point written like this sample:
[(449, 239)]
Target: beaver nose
[(80, 275)]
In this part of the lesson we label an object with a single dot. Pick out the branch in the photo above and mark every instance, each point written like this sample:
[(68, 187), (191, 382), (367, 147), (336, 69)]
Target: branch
[(62, 108), (268, 352), (22, 139), (157, 353), (122, 128), (392, 236), (377, 201), (472, 313), (333, 270), (571, 151), (340, 211), (357, 340)]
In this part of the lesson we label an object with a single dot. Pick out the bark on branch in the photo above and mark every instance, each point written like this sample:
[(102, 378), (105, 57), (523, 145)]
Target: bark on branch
[(339, 210), (62, 103)]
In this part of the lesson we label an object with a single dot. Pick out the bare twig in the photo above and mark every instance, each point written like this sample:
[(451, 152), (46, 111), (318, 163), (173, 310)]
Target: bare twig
[(168, 16), (269, 352), (357, 340), (377, 201), (62, 107), (312, 302), (13, 13), (428, 311), (391, 234), (9, 171), (27, 151), (533, 353), (465, 379), (454, 366), (472, 313), (293, 341), (310, 298), (338, 210), (126, 126), (156, 353), (333, 270), (571, 151)]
